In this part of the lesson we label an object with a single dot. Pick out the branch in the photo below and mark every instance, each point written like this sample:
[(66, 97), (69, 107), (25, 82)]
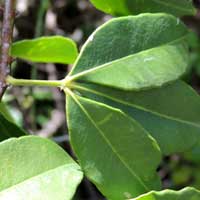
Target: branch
[(6, 39)]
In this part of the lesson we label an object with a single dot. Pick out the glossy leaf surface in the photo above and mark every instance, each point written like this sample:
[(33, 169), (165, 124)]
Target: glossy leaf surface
[(134, 52), (185, 194), (55, 49), (115, 152), (132, 7), (34, 168), (171, 114)]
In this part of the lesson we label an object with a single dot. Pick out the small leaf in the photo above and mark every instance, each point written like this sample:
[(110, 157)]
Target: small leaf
[(132, 7), (115, 152), (55, 49), (134, 53), (185, 194), (9, 129), (34, 168), (171, 114)]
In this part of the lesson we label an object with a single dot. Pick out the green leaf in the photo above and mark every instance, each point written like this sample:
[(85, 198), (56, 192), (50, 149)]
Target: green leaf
[(9, 129), (34, 168), (134, 52), (114, 7), (115, 152), (5, 112), (55, 49), (171, 114), (132, 7), (185, 194)]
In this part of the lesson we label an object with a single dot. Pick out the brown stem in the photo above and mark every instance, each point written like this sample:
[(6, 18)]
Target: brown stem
[(6, 40)]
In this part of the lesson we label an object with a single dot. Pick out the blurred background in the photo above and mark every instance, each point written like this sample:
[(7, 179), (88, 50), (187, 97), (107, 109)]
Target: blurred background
[(41, 111)]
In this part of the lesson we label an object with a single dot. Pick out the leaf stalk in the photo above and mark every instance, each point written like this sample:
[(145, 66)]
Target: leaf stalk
[(43, 83)]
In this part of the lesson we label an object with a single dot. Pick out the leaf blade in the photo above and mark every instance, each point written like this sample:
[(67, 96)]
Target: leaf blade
[(52, 165), (128, 7), (5, 112), (9, 129), (135, 60), (53, 49), (185, 194), (95, 131)]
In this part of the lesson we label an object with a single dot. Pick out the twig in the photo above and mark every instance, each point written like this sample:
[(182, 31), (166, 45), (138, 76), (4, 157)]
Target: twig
[(6, 39)]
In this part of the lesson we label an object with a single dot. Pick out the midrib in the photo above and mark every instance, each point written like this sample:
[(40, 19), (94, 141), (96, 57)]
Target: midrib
[(136, 106), (108, 142)]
